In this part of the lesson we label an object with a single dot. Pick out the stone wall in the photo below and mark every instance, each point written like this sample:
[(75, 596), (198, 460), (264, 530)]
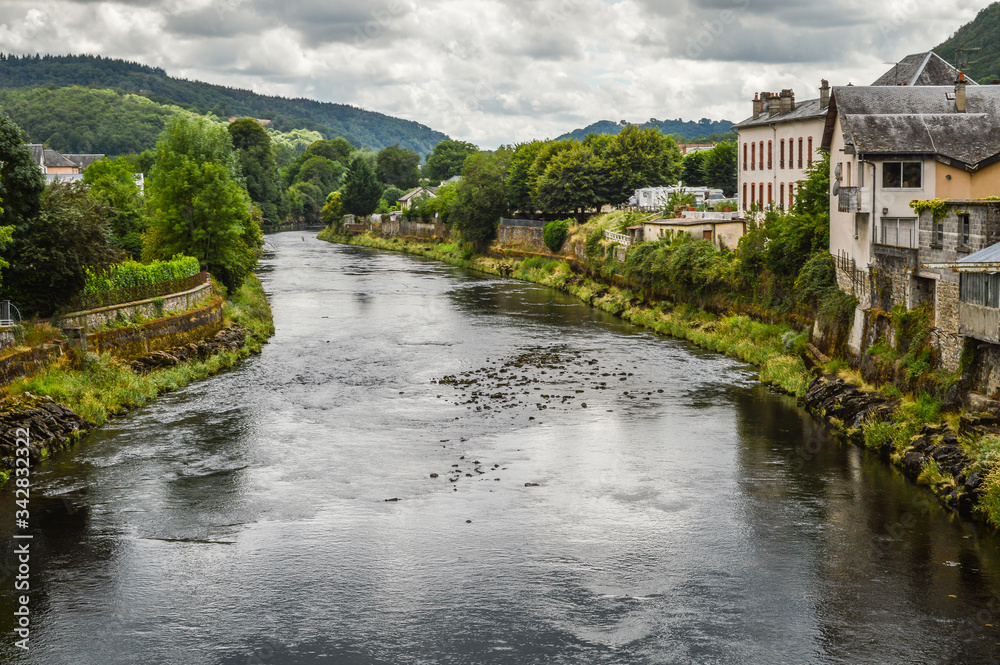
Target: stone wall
[(177, 302), (523, 237), (392, 228), (131, 342)]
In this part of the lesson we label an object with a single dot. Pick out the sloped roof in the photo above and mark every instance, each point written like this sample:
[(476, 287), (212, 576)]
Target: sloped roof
[(920, 69), (806, 110), (918, 120), (989, 255), (53, 158), (83, 160), (37, 152)]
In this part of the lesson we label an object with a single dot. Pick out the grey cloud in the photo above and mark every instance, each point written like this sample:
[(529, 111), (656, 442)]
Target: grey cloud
[(219, 21)]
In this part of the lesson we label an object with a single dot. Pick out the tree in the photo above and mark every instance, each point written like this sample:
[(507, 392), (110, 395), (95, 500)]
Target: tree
[(336, 150), (718, 169), (693, 162), (323, 173), (642, 158), (332, 213), (481, 197), (447, 159), (570, 181), (519, 185), (21, 181), (111, 182), (398, 167), (51, 252), (361, 192), (199, 205), (258, 166)]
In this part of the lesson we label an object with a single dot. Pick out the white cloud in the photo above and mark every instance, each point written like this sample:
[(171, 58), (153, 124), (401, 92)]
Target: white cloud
[(493, 72)]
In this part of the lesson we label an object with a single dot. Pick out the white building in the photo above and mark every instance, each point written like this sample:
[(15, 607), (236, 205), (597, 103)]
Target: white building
[(777, 144)]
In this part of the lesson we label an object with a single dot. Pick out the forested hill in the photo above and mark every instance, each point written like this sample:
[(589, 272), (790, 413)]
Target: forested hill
[(982, 33), (360, 127), (688, 130)]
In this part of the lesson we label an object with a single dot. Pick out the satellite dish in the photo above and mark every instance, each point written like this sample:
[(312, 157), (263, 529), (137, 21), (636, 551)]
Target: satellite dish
[(838, 171), (836, 189)]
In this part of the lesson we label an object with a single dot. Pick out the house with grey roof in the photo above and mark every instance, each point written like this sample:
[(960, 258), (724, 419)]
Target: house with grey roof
[(892, 147), (920, 69), (58, 166)]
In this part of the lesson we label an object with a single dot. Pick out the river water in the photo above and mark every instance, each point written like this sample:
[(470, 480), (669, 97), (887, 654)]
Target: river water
[(686, 514)]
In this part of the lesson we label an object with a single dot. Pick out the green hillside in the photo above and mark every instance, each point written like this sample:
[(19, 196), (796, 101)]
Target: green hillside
[(688, 130), (982, 33), (360, 127)]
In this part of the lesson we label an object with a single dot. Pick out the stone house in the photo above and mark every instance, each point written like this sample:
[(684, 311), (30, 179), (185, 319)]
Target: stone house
[(723, 230), (890, 146)]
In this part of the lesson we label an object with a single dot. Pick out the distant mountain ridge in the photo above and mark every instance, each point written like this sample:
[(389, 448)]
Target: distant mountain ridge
[(363, 128), (981, 33), (687, 129)]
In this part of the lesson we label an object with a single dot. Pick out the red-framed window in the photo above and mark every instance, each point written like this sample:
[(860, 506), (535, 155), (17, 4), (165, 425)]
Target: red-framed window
[(809, 155), (781, 153), (800, 152), (770, 156), (753, 192), (745, 206), (753, 156), (770, 194), (781, 195), (744, 157), (761, 155)]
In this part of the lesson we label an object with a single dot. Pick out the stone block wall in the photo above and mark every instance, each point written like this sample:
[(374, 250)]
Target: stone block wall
[(523, 237), (177, 302), (131, 342), (392, 228)]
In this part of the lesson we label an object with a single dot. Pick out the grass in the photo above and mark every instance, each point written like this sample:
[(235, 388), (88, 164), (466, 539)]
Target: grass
[(100, 387)]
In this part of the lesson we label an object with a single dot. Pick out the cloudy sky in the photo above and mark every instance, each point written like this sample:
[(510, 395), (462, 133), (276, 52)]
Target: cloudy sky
[(491, 71)]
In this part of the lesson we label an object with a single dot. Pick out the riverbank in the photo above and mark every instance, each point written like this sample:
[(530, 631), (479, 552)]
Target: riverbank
[(77, 394), (907, 431)]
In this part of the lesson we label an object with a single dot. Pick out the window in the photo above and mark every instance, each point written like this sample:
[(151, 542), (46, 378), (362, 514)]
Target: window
[(781, 153), (753, 192), (897, 231), (902, 175), (939, 231), (706, 234), (791, 199), (770, 197), (761, 155), (848, 168), (744, 157), (753, 156), (810, 157), (760, 195), (964, 228), (800, 152), (744, 193), (770, 151), (781, 195)]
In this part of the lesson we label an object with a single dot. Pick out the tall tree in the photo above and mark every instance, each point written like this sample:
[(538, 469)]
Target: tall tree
[(257, 163), (337, 150), (481, 197), (718, 169), (51, 252), (518, 183), (570, 182), (21, 179), (199, 205), (692, 175), (398, 167), (642, 158), (111, 182), (361, 192), (447, 159)]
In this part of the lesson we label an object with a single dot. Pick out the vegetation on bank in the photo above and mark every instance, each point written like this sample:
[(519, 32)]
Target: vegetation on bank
[(99, 387)]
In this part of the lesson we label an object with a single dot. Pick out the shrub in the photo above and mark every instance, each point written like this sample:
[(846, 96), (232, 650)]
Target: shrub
[(555, 234), (130, 274)]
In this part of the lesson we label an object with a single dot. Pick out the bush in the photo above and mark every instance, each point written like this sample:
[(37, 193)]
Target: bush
[(130, 274), (555, 234)]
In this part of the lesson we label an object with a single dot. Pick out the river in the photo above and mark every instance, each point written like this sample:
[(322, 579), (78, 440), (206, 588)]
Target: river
[(603, 495)]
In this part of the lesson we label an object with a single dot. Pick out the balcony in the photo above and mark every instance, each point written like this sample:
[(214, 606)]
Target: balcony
[(855, 200)]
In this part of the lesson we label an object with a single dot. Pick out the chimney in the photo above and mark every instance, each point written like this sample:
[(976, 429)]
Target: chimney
[(960, 93), (824, 94), (773, 105), (787, 101), (756, 106)]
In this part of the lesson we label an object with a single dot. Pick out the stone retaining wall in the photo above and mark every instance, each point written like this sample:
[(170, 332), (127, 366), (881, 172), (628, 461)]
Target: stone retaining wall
[(176, 302), (524, 237), (392, 228), (131, 342)]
